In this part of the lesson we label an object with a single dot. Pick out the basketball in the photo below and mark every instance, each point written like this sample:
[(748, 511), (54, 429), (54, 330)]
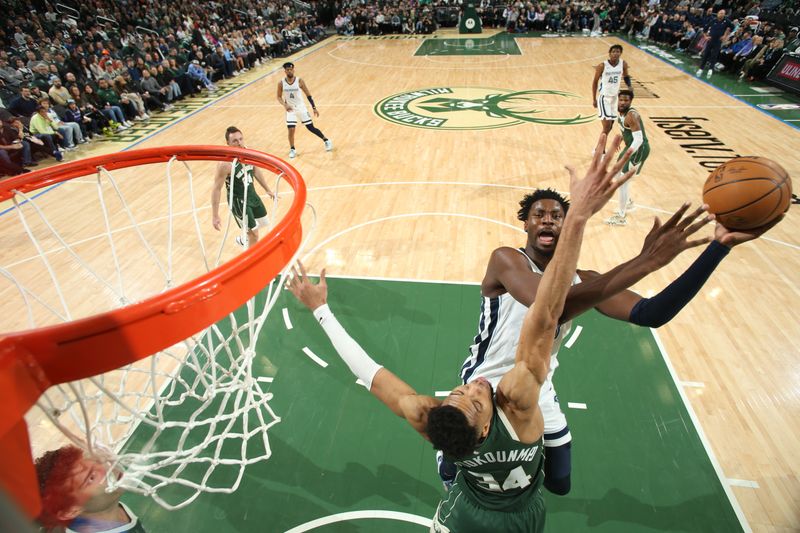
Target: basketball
[(748, 192)]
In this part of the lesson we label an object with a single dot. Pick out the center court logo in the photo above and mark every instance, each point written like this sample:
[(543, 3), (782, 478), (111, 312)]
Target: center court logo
[(477, 108)]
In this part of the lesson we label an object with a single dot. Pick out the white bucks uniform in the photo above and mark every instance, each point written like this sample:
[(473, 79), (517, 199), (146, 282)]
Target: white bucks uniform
[(609, 89), (495, 346), (293, 96)]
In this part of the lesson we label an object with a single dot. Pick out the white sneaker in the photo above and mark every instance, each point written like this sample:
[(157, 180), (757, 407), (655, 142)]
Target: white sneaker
[(699, 72), (709, 73), (240, 242), (617, 220), (292, 153), (329, 145), (146, 117)]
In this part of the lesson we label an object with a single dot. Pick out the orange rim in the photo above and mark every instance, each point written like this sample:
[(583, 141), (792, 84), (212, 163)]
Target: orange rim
[(33, 360)]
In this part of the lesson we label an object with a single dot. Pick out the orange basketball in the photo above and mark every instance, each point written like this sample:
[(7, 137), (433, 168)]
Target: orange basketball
[(748, 192)]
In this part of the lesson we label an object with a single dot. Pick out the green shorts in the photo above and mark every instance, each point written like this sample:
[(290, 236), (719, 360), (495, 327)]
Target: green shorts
[(459, 513), (637, 158), (254, 209)]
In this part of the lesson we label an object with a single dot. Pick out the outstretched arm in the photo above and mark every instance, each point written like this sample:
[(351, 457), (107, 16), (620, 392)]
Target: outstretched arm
[(520, 386), (398, 395), (508, 270)]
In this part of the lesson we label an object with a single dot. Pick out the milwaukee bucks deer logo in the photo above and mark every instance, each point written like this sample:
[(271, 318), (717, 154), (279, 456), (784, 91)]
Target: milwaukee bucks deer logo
[(458, 108)]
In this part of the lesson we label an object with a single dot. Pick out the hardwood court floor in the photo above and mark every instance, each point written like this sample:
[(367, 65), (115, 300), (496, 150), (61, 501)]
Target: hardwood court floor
[(430, 204)]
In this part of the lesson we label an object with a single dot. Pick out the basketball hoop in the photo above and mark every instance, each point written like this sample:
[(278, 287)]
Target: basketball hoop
[(199, 350)]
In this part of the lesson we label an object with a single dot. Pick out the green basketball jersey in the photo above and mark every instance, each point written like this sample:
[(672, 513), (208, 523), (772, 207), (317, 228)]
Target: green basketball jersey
[(503, 472), (241, 175), (627, 134)]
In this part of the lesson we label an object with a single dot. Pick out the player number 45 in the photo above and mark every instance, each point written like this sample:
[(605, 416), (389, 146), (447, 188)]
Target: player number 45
[(516, 479)]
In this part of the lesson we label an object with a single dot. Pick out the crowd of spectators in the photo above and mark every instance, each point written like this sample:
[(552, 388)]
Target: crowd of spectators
[(69, 74), (761, 31)]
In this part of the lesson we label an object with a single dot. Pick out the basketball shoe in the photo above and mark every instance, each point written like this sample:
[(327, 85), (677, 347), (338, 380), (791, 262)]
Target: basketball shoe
[(617, 220)]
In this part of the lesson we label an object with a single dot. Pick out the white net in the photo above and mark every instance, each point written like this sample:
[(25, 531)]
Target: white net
[(191, 417)]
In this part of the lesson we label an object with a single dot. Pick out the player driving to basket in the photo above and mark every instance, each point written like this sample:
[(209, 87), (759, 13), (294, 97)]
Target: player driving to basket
[(494, 437)]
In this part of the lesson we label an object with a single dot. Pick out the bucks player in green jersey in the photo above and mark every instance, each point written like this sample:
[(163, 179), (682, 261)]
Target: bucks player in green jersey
[(494, 437), (246, 206), (635, 139)]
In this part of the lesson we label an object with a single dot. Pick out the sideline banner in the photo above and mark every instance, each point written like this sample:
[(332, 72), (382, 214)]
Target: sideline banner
[(786, 73)]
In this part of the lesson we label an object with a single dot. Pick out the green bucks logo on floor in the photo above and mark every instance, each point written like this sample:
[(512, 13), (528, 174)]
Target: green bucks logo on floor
[(477, 108)]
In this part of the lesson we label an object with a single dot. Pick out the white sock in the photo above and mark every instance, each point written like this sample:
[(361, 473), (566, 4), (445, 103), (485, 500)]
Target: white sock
[(623, 197)]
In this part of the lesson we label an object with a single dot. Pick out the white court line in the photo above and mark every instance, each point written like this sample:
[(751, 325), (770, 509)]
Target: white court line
[(792, 120), (356, 515), (695, 384), (576, 405), (442, 393), (701, 434), (743, 483), (286, 319), (396, 217), (314, 357), (265, 379), (573, 337), (773, 90)]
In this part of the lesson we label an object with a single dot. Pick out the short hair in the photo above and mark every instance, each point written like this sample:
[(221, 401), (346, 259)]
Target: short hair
[(450, 431), (54, 470), (613, 46), (540, 194), (39, 107), (230, 131), (625, 92), (288, 64)]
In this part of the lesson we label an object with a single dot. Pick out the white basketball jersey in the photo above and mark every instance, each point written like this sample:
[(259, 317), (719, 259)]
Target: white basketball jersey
[(611, 78), (495, 346), (293, 94)]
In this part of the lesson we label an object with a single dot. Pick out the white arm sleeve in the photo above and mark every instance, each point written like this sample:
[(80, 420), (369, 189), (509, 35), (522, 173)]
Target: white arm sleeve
[(360, 364), (638, 139)]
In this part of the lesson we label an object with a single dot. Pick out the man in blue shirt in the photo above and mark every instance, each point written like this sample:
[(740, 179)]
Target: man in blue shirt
[(717, 31)]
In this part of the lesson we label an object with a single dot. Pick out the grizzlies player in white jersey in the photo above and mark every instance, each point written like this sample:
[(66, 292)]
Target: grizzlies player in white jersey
[(247, 208), (608, 76), (493, 435), (291, 98), (510, 285)]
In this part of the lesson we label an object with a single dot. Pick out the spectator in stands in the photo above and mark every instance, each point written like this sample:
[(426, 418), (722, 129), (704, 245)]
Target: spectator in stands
[(112, 112), (41, 127), (24, 105), (11, 151), (70, 132), (58, 93)]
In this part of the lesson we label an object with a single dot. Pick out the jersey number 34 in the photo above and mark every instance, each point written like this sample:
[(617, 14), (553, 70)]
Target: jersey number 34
[(516, 479)]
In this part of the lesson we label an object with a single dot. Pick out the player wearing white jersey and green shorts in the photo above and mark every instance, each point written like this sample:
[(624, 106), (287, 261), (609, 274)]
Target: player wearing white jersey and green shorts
[(494, 438), (247, 208), (634, 137)]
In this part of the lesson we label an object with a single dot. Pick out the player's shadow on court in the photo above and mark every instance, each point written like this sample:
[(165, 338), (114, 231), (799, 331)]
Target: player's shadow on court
[(289, 468), (698, 514), (382, 303)]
